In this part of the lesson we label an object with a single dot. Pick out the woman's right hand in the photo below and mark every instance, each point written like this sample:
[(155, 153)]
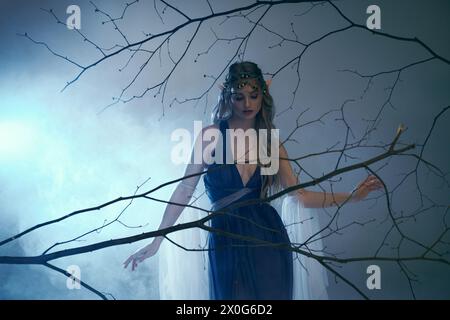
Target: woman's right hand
[(142, 254)]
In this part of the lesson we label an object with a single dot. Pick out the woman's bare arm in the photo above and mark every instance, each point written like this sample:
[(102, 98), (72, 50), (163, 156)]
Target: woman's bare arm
[(180, 198), (182, 194), (313, 199), (185, 188)]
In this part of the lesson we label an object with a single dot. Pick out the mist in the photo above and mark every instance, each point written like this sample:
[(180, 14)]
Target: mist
[(62, 151)]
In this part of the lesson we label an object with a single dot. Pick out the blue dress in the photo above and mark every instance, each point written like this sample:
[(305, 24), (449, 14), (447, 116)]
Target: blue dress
[(240, 269)]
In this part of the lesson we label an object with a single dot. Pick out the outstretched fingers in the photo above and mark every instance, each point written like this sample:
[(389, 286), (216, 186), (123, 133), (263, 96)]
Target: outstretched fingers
[(133, 261), (373, 183), (127, 262)]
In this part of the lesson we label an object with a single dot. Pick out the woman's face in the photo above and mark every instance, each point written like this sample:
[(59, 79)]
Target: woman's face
[(247, 100)]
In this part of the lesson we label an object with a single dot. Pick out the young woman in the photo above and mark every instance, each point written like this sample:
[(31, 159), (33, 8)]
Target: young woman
[(255, 261)]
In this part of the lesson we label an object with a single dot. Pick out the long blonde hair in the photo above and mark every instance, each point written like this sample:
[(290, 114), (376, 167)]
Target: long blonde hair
[(237, 73)]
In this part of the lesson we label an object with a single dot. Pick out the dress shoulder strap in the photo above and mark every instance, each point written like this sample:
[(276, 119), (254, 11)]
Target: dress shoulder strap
[(223, 129)]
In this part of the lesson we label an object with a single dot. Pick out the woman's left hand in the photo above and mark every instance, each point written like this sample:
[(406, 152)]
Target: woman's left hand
[(371, 183)]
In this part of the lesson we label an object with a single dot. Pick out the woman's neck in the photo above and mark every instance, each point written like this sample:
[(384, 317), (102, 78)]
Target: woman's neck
[(235, 123)]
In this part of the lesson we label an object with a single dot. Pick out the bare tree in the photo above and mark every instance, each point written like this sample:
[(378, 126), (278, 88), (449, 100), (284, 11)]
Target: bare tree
[(150, 47)]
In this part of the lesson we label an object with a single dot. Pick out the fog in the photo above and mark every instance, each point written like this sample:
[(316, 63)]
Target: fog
[(64, 151)]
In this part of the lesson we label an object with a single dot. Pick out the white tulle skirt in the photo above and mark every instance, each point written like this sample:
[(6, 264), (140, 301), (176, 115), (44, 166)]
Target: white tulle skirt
[(183, 275), (310, 277)]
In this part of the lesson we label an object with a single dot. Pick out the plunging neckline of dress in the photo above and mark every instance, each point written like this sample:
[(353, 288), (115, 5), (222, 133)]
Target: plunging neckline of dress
[(235, 165)]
